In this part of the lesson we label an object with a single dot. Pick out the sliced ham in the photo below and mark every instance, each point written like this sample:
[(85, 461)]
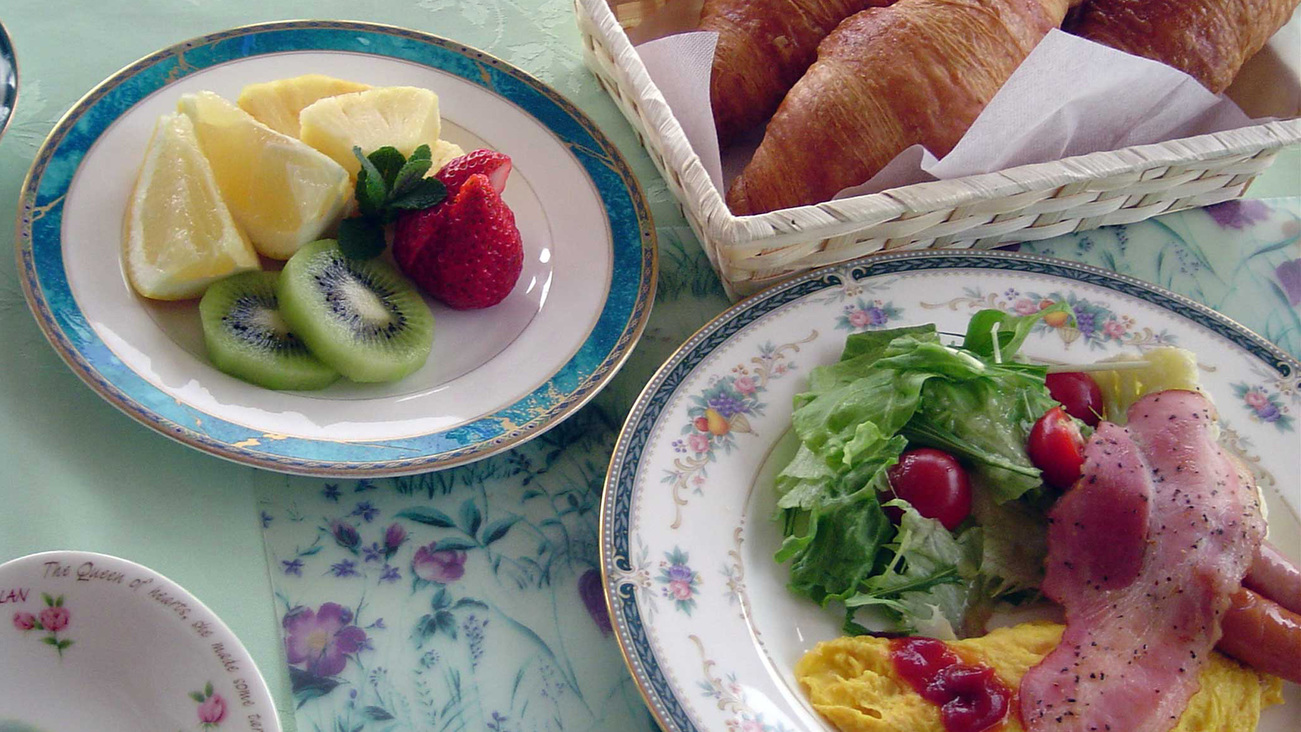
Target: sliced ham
[(1144, 553)]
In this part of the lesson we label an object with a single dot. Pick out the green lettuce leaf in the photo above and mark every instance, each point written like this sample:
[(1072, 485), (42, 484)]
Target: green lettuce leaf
[(985, 422), (892, 390), (1012, 330), (927, 585), (862, 351), (1015, 544), (830, 421), (849, 533)]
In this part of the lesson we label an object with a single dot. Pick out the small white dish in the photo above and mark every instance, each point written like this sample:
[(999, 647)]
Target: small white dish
[(94, 642)]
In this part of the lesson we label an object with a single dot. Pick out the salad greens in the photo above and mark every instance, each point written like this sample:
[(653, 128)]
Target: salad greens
[(898, 389)]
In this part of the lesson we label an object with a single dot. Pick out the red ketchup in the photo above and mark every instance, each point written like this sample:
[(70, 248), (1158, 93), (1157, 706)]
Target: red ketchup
[(971, 698)]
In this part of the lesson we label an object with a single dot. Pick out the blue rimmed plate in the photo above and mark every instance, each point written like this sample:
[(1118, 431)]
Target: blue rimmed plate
[(496, 377), (699, 606)]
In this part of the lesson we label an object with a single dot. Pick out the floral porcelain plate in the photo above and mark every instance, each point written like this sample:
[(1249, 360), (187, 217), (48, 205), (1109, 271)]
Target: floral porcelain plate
[(700, 607), (495, 377), (96, 642)]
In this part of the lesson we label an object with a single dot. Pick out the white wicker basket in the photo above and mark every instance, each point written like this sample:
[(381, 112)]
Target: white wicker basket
[(1024, 203)]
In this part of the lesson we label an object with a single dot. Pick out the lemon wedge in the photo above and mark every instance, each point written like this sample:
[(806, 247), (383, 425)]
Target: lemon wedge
[(276, 104), (281, 191), (399, 116), (179, 234)]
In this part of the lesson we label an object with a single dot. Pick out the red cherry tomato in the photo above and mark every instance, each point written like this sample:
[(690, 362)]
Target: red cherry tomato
[(934, 483), (1079, 394), (1056, 447)]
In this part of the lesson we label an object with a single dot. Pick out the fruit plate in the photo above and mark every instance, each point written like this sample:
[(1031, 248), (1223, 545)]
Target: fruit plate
[(701, 609), (91, 641), (495, 377)]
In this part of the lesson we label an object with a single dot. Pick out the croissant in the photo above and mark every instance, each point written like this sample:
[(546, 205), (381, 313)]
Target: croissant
[(764, 46), (1207, 39), (917, 71)]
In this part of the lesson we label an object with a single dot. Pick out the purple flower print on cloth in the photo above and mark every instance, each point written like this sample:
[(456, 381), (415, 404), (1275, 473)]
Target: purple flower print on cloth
[(366, 510), (345, 535), (394, 537), (346, 568), (442, 566), (593, 597), (1289, 277), (320, 641), (1238, 214)]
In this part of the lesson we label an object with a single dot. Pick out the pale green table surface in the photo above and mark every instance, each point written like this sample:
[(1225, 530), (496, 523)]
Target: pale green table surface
[(76, 473)]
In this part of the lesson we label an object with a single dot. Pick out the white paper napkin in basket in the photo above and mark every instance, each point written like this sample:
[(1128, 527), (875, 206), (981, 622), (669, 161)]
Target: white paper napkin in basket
[(1069, 97)]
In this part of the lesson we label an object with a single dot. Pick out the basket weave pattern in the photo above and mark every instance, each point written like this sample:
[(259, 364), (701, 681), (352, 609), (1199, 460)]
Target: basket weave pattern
[(1024, 203)]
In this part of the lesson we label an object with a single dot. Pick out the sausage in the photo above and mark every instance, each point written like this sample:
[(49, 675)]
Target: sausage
[(1262, 634), (1274, 576)]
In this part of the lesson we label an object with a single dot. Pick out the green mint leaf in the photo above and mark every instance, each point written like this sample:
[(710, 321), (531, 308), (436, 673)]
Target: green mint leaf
[(425, 193), (371, 192), (388, 161), (410, 175), (370, 198), (361, 238), (367, 166), (422, 153)]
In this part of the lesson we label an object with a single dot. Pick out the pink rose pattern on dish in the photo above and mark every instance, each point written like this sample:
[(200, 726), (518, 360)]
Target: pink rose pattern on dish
[(1265, 406), (52, 620), (212, 707), (1095, 325), (867, 315), (680, 582)]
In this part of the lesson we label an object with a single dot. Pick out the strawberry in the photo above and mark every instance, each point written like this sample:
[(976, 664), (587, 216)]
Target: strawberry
[(413, 231), (466, 252), (491, 163)]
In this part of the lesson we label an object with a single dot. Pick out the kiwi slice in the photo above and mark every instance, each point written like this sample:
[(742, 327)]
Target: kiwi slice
[(360, 316), (248, 338)]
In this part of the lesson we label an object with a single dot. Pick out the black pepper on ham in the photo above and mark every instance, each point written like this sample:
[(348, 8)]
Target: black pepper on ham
[(1144, 553)]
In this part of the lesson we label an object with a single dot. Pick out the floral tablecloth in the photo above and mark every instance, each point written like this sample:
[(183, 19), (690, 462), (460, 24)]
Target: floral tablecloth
[(471, 599), (480, 609)]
